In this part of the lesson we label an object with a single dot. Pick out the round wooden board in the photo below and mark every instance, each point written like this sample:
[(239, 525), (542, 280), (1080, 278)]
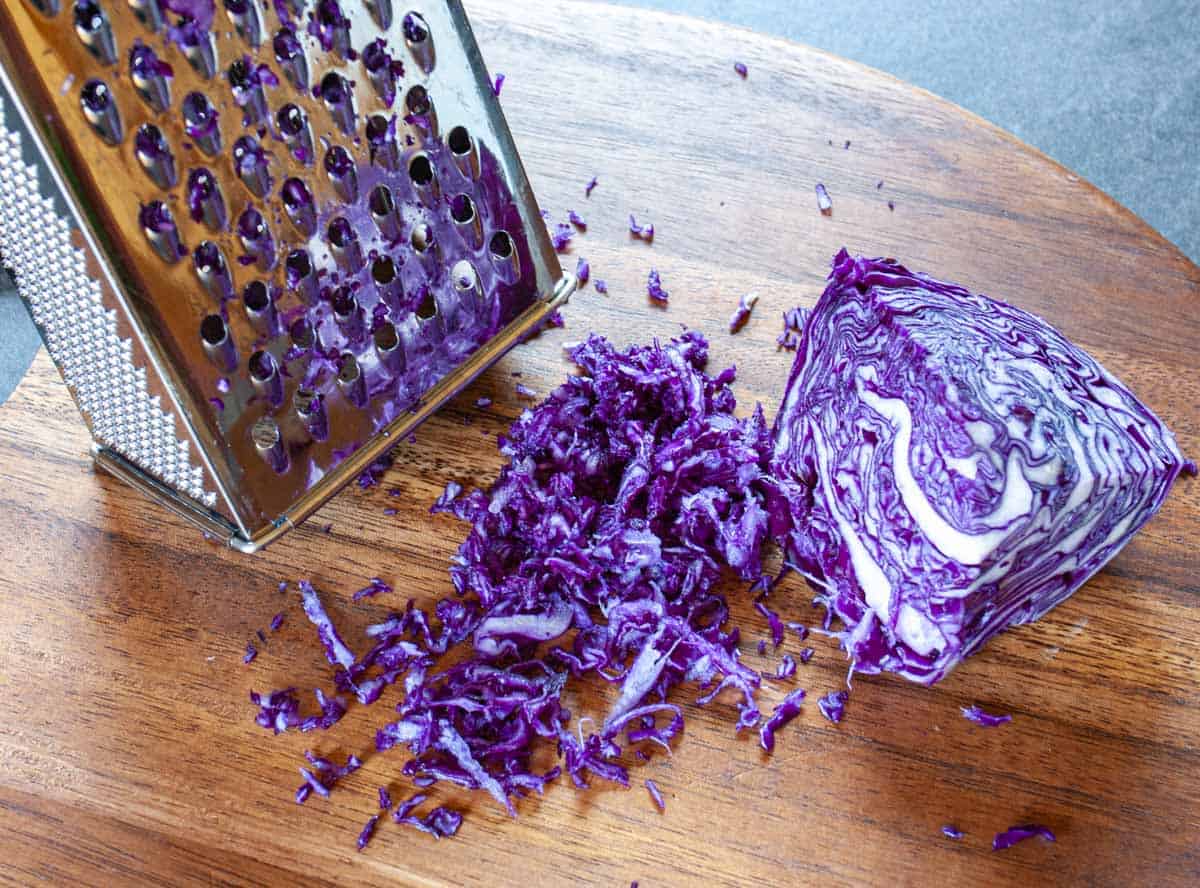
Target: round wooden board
[(128, 749)]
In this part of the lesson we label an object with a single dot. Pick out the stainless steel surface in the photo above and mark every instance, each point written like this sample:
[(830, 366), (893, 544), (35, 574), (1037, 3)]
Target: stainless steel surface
[(98, 361), (329, 413)]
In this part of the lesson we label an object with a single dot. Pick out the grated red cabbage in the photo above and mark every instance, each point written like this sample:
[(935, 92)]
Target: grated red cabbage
[(441, 823), (787, 667), (447, 498), (329, 773), (773, 621), (654, 287), (787, 710), (335, 649), (368, 831), (562, 236), (627, 492), (984, 719), (1015, 834), (824, 201), (793, 325), (375, 587), (833, 705), (641, 232), (656, 795), (742, 315)]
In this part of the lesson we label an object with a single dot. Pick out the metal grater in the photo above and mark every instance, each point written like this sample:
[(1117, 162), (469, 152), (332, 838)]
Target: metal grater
[(296, 230)]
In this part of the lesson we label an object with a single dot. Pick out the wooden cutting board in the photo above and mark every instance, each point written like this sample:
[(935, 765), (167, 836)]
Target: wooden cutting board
[(127, 748)]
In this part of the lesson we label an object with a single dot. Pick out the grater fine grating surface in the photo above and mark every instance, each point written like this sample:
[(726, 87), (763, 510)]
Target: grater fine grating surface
[(302, 227), (95, 362)]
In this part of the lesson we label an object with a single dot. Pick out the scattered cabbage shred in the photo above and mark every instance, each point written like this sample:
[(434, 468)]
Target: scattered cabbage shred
[(984, 719), (947, 465), (1014, 834)]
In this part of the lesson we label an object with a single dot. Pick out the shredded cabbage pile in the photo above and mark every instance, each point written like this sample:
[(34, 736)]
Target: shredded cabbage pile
[(628, 494)]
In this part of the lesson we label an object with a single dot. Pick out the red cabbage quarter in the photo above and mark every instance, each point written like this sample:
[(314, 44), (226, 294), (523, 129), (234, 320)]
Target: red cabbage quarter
[(1015, 834), (948, 465)]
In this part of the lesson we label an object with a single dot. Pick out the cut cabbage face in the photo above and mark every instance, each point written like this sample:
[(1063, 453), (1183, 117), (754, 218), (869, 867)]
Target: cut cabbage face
[(948, 465)]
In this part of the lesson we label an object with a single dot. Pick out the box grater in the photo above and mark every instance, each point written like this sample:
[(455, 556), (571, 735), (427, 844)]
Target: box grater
[(295, 231)]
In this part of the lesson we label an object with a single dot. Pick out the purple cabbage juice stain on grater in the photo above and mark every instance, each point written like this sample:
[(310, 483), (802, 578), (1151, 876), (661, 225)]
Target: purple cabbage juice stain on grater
[(284, 249)]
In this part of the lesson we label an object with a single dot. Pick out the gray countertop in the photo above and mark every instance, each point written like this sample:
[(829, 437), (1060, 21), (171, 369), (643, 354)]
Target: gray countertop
[(1110, 89)]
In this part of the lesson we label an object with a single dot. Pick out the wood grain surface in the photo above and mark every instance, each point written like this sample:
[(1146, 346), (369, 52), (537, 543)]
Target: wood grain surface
[(128, 752)]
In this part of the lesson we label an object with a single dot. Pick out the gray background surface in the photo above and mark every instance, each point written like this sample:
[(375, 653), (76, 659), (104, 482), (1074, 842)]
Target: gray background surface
[(1110, 89)]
